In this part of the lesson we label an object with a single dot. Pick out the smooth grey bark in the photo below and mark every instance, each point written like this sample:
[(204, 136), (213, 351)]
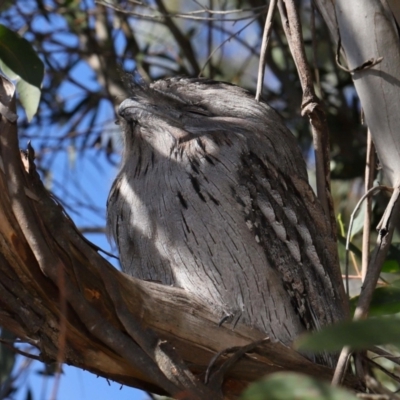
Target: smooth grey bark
[(368, 30)]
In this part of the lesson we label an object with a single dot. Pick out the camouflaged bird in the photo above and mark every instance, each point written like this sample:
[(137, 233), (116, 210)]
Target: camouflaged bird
[(213, 197)]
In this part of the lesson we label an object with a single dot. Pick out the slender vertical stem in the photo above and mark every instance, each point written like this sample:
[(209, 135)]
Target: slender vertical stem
[(310, 106), (369, 178), (386, 229), (264, 46), (210, 41)]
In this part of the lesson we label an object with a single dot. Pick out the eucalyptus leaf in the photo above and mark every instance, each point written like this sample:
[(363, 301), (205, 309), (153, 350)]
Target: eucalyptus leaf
[(385, 300), (392, 263), (356, 334), (390, 266), (292, 386), (19, 61), (352, 247), (19, 56), (8, 72), (358, 222), (394, 252), (29, 96)]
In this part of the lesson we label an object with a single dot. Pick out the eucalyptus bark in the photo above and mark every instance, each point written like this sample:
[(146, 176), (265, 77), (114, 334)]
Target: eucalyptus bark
[(97, 337)]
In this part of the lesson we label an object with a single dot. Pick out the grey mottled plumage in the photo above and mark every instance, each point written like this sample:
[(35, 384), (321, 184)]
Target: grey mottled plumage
[(213, 197)]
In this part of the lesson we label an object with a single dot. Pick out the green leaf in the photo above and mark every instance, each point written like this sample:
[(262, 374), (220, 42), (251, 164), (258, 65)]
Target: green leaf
[(390, 266), (358, 221), (19, 56), (292, 386), (392, 263), (19, 61), (385, 300), (394, 252), (356, 334), (352, 247), (29, 96)]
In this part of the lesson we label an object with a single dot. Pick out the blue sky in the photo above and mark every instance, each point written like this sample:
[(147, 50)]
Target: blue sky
[(75, 384)]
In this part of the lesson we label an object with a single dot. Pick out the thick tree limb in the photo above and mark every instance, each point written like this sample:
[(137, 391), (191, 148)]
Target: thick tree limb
[(137, 333)]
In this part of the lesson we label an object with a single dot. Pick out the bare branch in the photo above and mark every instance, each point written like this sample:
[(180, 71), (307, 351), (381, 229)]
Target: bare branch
[(365, 65), (386, 229), (310, 106), (226, 40), (116, 326), (367, 195), (383, 353), (264, 45), (189, 15), (369, 180), (184, 43), (376, 386)]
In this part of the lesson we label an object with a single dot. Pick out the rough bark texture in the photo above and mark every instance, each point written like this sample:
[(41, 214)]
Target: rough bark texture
[(213, 197), (59, 295)]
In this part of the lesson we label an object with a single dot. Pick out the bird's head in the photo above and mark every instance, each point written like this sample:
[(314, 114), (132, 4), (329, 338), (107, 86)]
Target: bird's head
[(163, 115)]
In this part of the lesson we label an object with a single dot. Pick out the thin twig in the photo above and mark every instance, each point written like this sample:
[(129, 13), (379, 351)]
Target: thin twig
[(182, 40), (386, 228), (355, 265), (222, 43), (370, 192), (376, 386), (10, 346), (314, 48), (310, 106), (383, 353), (369, 178), (264, 46), (341, 366), (385, 371), (202, 11), (210, 42), (189, 15), (365, 65)]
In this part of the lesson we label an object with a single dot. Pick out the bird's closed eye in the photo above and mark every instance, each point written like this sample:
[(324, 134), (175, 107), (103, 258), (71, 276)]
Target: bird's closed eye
[(131, 122), (197, 110)]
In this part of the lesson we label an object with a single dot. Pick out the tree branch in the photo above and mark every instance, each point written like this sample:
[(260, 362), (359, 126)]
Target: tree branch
[(264, 46), (369, 180), (183, 42), (310, 106), (386, 229), (116, 326)]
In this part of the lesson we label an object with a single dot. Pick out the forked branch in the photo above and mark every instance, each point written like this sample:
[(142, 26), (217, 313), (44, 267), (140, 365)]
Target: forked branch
[(141, 334)]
